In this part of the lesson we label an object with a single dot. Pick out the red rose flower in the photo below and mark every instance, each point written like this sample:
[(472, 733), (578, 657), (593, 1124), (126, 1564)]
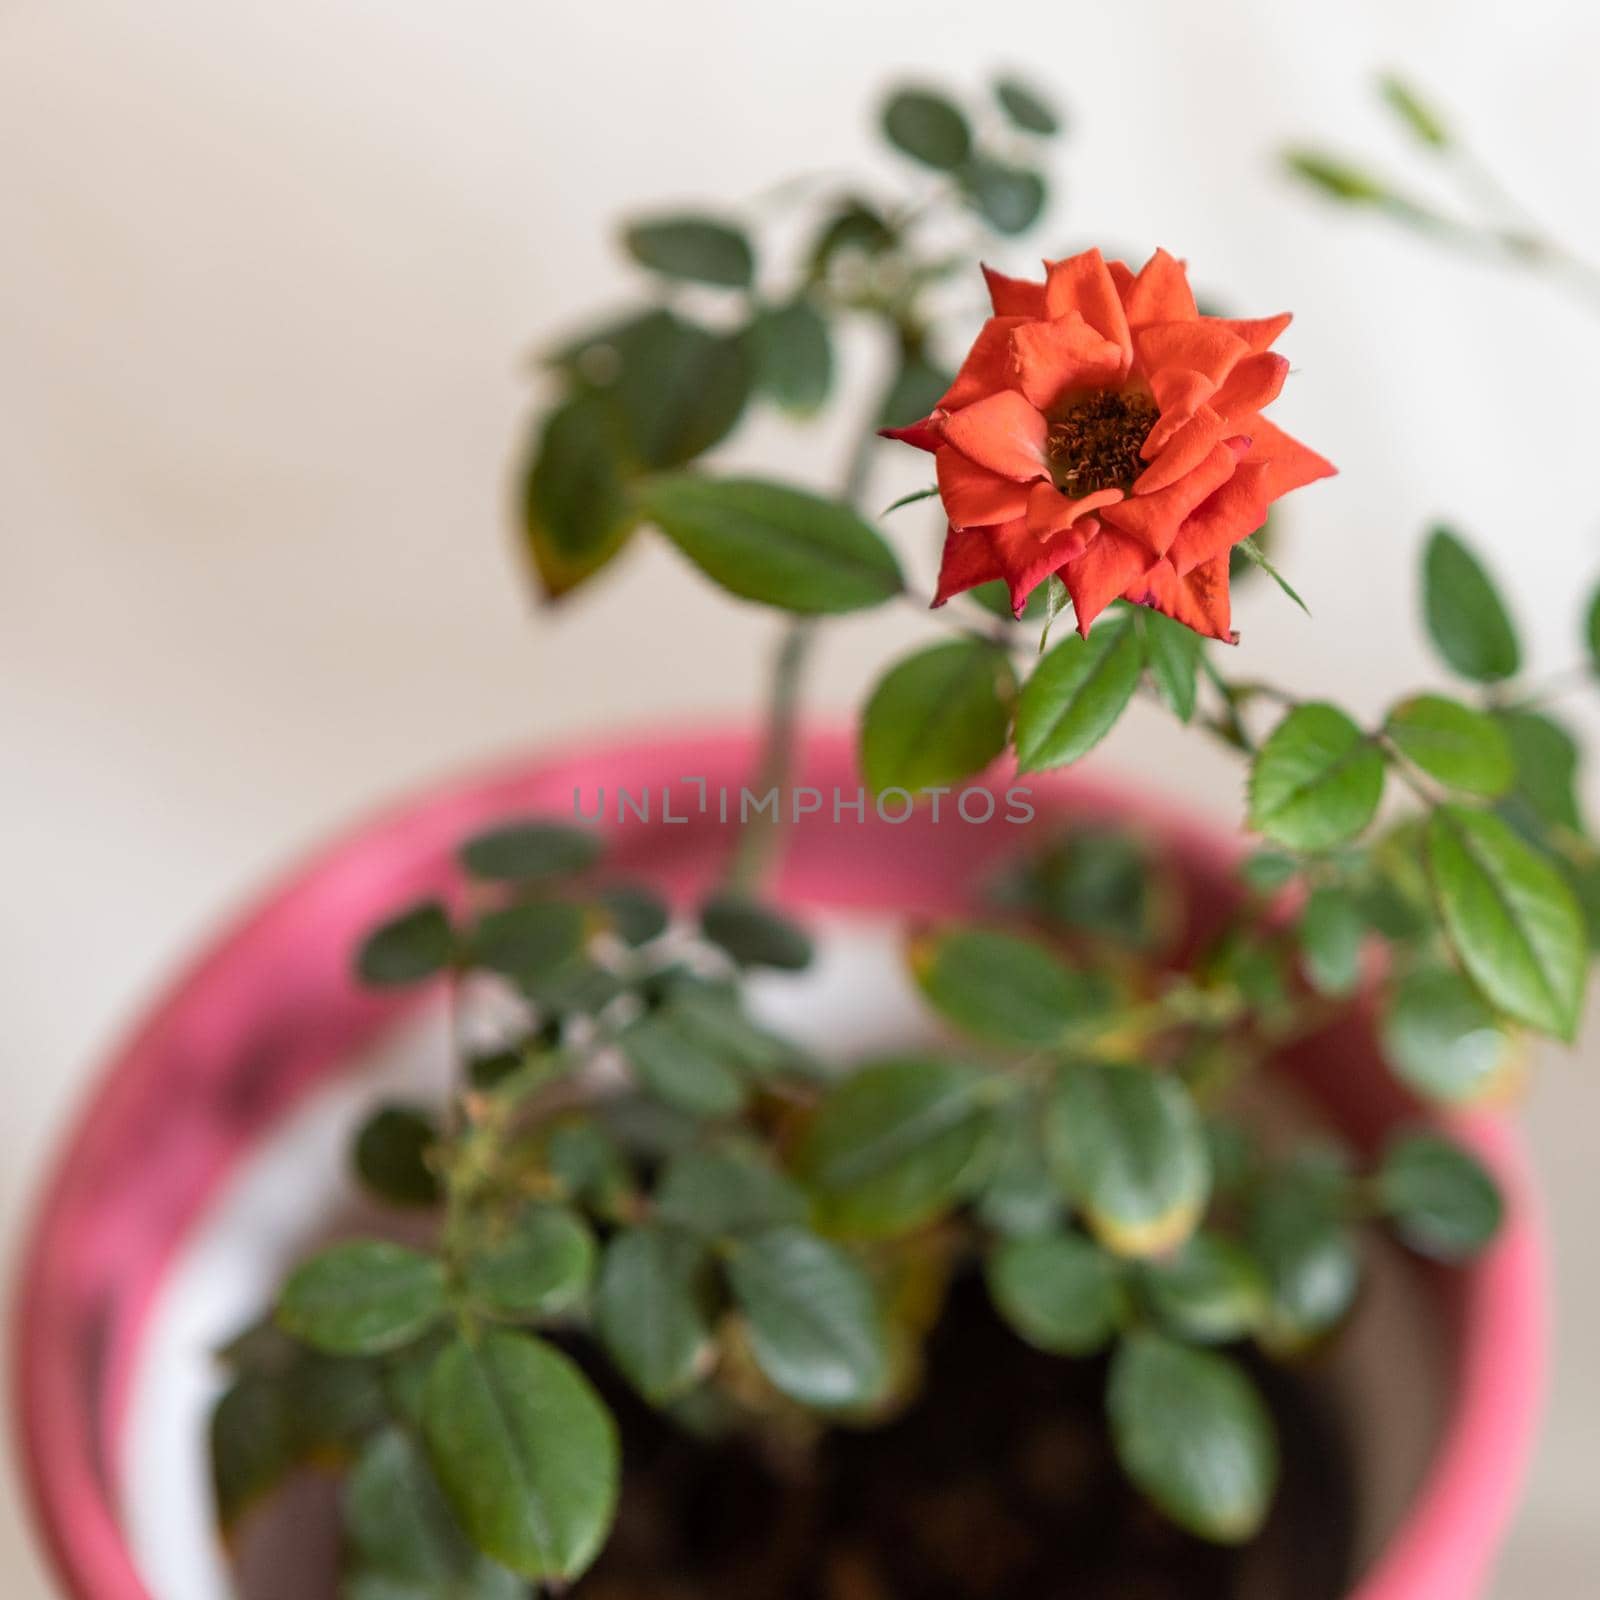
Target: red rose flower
[(1102, 429)]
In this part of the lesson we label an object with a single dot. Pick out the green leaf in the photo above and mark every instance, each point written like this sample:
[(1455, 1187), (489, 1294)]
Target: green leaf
[(653, 1311), (1075, 696), (589, 1165), (1009, 198), (529, 941), (755, 935), (713, 1015), (681, 1069), (1004, 988), (1511, 918), (910, 500), (1331, 931), (725, 1191), (816, 1330), (892, 1145), (1545, 757), (1441, 1200), (538, 1263), (1100, 880), (1317, 780), (855, 228), (1422, 120), (937, 716), (576, 515), (1059, 1291), (698, 249), (928, 128), (391, 1156), (1442, 1039), (1466, 617), (1462, 748), (1128, 1146), (525, 1452), (677, 389), (363, 1298), (1340, 180), (636, 915), (1194, 1435), (793, 356), (1591, 630), (528, 852), (1311, 1265), (775, 545), (1026, 107), (254, 1445), (403, 1543), (1172, 653), (415, 945), (1020, 1196), (1212, 1291)]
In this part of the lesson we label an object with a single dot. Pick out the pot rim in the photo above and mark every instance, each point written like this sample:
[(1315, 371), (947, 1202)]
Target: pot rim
[(69, 1466)]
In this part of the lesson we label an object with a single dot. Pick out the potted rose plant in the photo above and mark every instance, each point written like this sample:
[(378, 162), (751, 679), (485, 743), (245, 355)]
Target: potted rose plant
[(671, 1307)]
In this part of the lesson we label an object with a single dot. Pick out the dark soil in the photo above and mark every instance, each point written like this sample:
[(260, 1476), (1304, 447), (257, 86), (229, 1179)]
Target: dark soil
[(997, 1485)]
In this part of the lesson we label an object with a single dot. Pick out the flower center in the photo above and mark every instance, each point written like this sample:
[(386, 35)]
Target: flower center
[(1094, 442)]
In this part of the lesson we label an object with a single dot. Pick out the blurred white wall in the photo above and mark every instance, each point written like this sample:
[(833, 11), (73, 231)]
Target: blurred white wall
[(268, 276)]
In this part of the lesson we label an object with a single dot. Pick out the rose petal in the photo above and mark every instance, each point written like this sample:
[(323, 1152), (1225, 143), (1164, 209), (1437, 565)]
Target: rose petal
[(1053, 358), (968, 560), (1153, 519), (1257, 332), (928, 434), (1084, 284), (1014, 297), (1051, 512), (990, 365), (1109, 564), (1222, 519), (973, 496), (1254, 383), (1289, 463), (1181, 452), (1160, 293), (1003, 433), (1202, 346), (1198, 600), (1027, 560)]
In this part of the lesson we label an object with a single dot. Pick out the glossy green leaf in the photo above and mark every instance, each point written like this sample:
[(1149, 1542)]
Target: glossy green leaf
[(1193, 1434), (1466, 617), (416, 944), (892, 1145), (1336, 178), (1211, 1291), (653, 1311), (1003, 987), (1332, 928), (937, 717), (1027, 108), (1591, 629), (682, 1069), (402, 1540), (1440, 1198), (576, 513), (1009, 198), (1128, 1146), (1418, 116), (1061, 1292), (1172, 653), (530, 851), (928, 128), (1075, 696), (815, 1326), (528, 941), (1462, 748), (1317, 780), (1442, 1039), (1511, 918), (391, 1156), (537, 1263), (779, 546), (525, 1452), (699, 249), (1312, 1270), (1020, 1196), (635, 915), (729, 1190), (1545, 757), (363, 1298), (793, 356), (755, 935)]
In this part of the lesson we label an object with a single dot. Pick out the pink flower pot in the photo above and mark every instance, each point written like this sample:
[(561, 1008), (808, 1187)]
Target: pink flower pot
[(269, 1012)]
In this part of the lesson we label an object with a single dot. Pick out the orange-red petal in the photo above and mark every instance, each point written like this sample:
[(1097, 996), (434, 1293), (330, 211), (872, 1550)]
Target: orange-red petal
[(1054, 358), (1222, 519), (1050, 512), (1003, 433), (1202, 346), (1198, 599), (1154, 519), (989, 366), (1027, 560), (1257, 332), (1014, 297), (973, 496), (1083, 283), (1255, 381), (968, 560), (1109, 565), (928, 434), (1160, 293), (1289, 463)]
